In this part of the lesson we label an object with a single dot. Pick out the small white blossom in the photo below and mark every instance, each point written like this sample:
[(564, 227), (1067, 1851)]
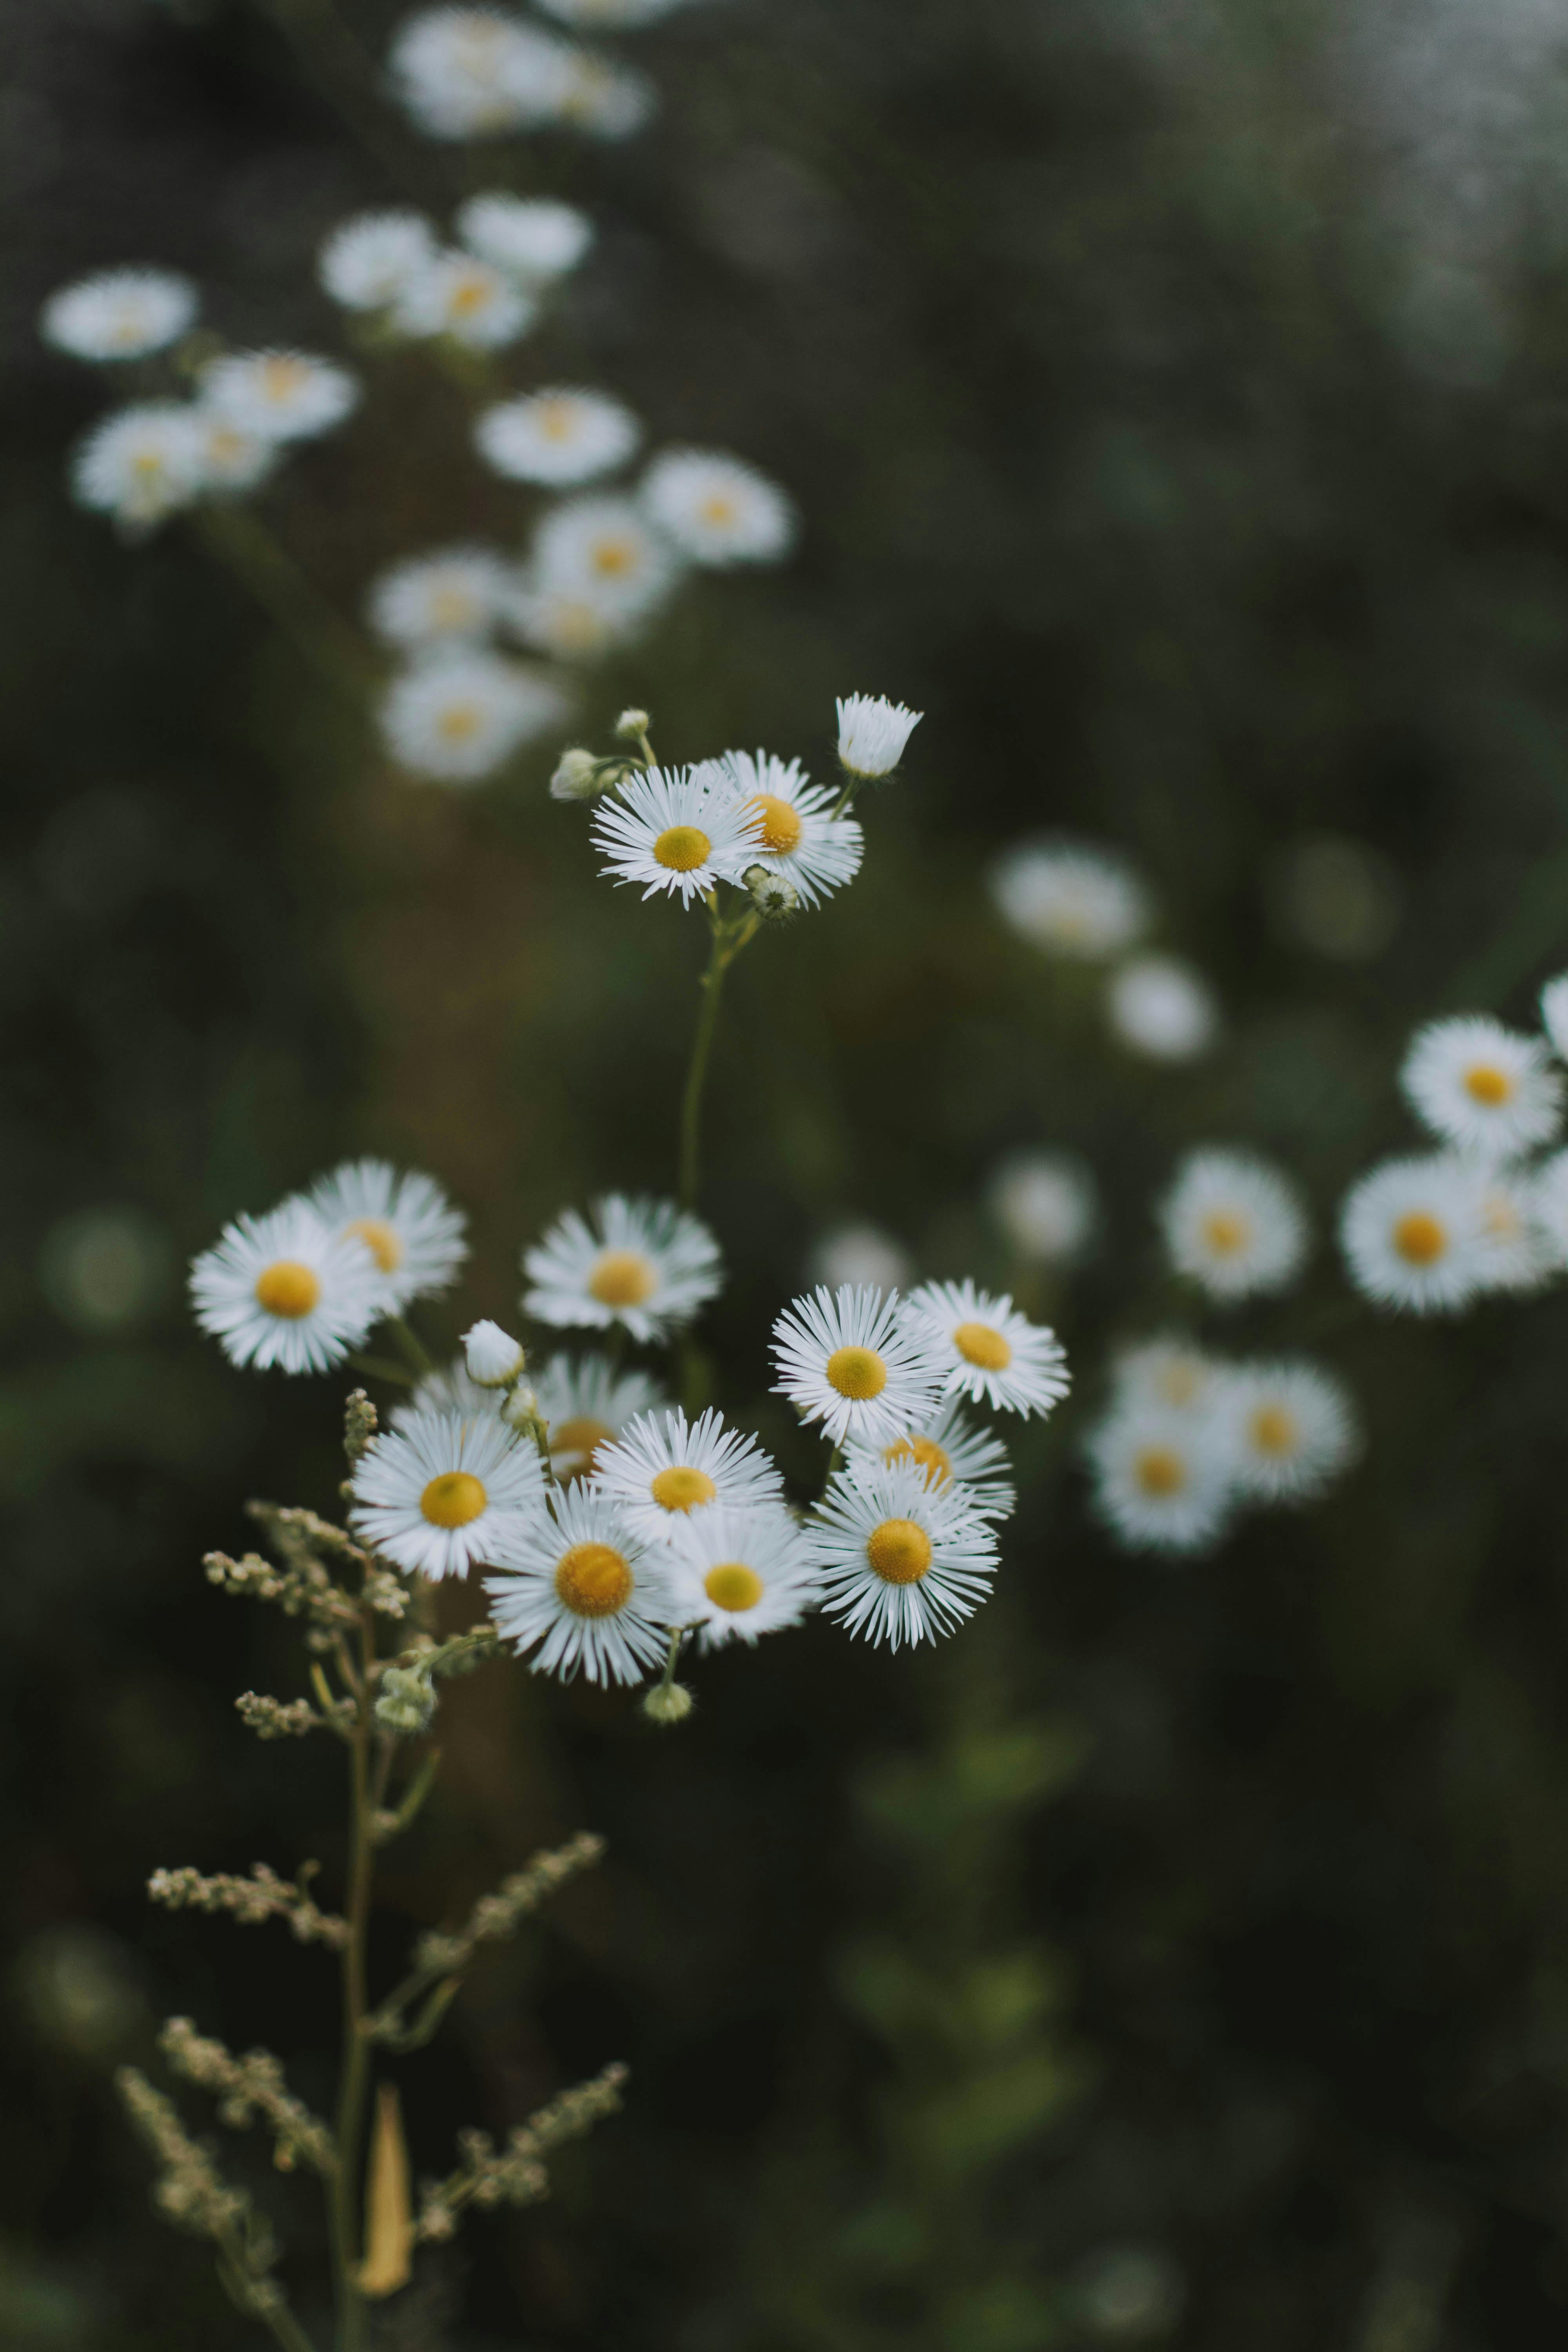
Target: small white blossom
[(1162, 1481), (1487, 1089), (466, 299), (602, 550), (444, 1493), (233, 460), (405, 1220), (573, 626), (283, 395), (1171, 1375), (535, 239), (579, 1591), (1070, 898), (1413, 1233), (283, 1289), (602, 100), (672, 831), (1293, 1429), (1233, 1224), (661, 1468), (472, 73), (872, 734), (718, 509), (1043, 1203), (558, 437), (644, 1265), (586, 1404), (951, 1448), (458, 593), (902, 1557), (369, 262), (846, 1358), (799, 837), (988, 1349), (493, 1358), (458, 717), (858, 1255), (740, 1573), (119, 314), (1163, 1008)]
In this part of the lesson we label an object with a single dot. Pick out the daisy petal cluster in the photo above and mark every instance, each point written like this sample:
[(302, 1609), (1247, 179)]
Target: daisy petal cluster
[(1043, 1203), (403, 1219), (677, 833), (1070, 898), (458, 716), (902, 1557), (446, 1492), (661, 1469), (283, 395), (1234, 1224), (950, 1446), (557, 438), (453, 597), (988, 1350), (586, 1404), (873, 734), (1484, 1088), (799, 835), (736, 1573), (717, 509), (576, 1592), (643, 1264), (849, 1360), (119, 314)]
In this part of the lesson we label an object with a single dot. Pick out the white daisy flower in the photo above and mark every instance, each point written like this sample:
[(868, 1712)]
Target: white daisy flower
[(444, 1491), (872, 734), (232, 459), (660, 1467), (951, 1449), (740, 1573), (1555, 1014), (449, 1390), (1293, 1429), (572, 627), (580, 1592), (601, 99), (902, 1559), (1233, 1224), (1163, 1008), (1169, 1376), (1412, 1232), (283, 395), (1487, 1089), (1044, 1202), (717, 509), (534, 239), (644, 1265), (283, 1289), (987, 1350), (602, 550), (1517, 1252), (472, 73), (369, 262), (458, 716), (1070, 898), (119, 314), (671, 831), (559, 438), (586, 1404), (405, 1220), (846, 1358), (466, 299), (458, 593), (799, 837), (139, 464), (1162, 1481), (859, 1254)]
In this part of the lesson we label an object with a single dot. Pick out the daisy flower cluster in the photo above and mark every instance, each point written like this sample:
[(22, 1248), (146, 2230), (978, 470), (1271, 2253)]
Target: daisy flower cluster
[(1190, 1440), (1081, 903), (1486, 1209), (465, 73)]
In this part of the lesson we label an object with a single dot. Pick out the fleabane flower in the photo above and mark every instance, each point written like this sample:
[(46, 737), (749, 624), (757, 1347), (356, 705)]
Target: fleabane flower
[(443, 1492), (447, 598), (466, 299), (1044, 1202), (585, 1404), (1070, 897), (602, 550), (718, 509), (1293, 1429), (951, 1449), (580, 1592), (535, 239), (662, 1467), (602, 99), (472, 73), (119, 314), (644, 1265), (139, 464), (740, 1573), (559, 438), (1233, 1224), (1162, 1009), (1168, 1375), (671, 831), (1487, 1089), (232, 458), (369, 262), (571, 625), (986, 1348), (282, 396), (902, 1559), (1413, 1233), (1162, 1481), (405, 1220), (872, 734), (1555, 1014), (458, 716), (846, 1358), (798, 836), (285, 1290), (1515, 1250)]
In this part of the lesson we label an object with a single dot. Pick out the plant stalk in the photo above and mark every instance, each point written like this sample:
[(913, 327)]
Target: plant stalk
[(355, 2075), (711, 984)]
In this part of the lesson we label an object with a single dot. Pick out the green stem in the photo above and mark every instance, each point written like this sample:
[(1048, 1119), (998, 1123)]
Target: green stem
[(355, 2078), (380, 1368), (242, 540), (410, 1342), (711, 984)]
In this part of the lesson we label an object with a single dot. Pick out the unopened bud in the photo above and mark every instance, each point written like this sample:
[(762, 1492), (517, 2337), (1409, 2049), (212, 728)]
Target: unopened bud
[(669, 1703), (494, 1357), (520, 1408), (633, 723), (406, 1701), (772, 896), (576, 776)]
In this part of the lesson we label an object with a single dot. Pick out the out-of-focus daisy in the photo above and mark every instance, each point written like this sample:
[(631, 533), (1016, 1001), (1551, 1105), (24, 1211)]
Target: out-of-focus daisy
[(1516, 1252), (740, 1573), (848, 1359), (456, 717), (119, 314), (559, 436), (1293, 1429), (717, 509), (442, 1494), (602, 99), (139, 464), (579, 1590), (673, 832), (1487, 1089), (405, 1220), (460, 296), (283, 1289), (902, 1559), (601, 548), (987, 1350), (1070, 898), (662, 1467), (1555, 1014), (458, 593), (1162, 1481), (644, 1265), (1167, 1376), (951, 1447), (368, 263), (233, 460), (473, 73), (586, 1404), (1163, 1008), (872, 734), (571, 627), (284, 395), (798, 836), (1043, 1203), (857, 1253), (1412, 1232), (534, 239), (447, 1390), (1233, 1224)]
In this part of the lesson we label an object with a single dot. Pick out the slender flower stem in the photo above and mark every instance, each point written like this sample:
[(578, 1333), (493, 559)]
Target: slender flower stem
[(701, 1045), (408, 1339), (355, 2075)]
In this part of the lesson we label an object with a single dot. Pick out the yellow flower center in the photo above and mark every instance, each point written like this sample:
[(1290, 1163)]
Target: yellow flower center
[(451, 607), (682, 1489), (287, 1288), (732, 1586), (622, 1278), (933, 1459), (856, 1372), (576, 1442), (1179, 1383), (593, 1579), (1160, 1470), (458, 722), (780, 827), (899, 1551), (382, 1240), (1273, 1429), (615, 556), (978, 1344), (1488, 1086), (148, 464), (718, 510), (575, 627), (1420, 1238), (682, 848), (1226, 1232), (556, 418), (453, 1499), (281, 378), (470, 294)]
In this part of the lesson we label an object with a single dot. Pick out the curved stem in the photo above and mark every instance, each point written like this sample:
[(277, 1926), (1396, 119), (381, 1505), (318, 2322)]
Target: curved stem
[(701, 1045)]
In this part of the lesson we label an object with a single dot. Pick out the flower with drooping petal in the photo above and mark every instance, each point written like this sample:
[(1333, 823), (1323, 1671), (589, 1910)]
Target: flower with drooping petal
[(987, 1349), (718, 509), (456, 718), (535, 239), (644, 1265), (661, 1467), (585, 1404), (740, 1573), (1488, 1089), (559, 436), (580, 1591), (405, 1220), (369, 261), (283, 395), (799, 837), (119, 314), (444, 1491), (1413, 1233), (872, 734), (678, 832), (450, 598), (1234, 1224), (284, 1289), (902, 1559), (846, 1358), (1071, 898)]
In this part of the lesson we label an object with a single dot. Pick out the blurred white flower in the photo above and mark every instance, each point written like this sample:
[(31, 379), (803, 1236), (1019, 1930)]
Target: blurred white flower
[(472, 73), (602, 550), (1487, 1089), (1555, 1014), (1517, 1251), (716, 508), (1232, 1223), (119, 314), (232, 459), (1162, 1481), (460, 296), (559, 438), (604, 100), (284, 395), (1292, 1427), (534, 238), (571, 625), (1070, 898), (139, 464), (456, 595), (1168, 1375), (1163, 1008), (584, 1404), (403, 1218), (858, 1255), (873, 733), (458, 716), (1043, 1203), (1412, 1233), (368, 262)]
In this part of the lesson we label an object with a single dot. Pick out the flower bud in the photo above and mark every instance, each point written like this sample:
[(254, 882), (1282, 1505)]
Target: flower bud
[(576, 776), (633, 723), (520, 1408), (773, 898), (406, 1701), (494, 1357), (669, 1703)]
